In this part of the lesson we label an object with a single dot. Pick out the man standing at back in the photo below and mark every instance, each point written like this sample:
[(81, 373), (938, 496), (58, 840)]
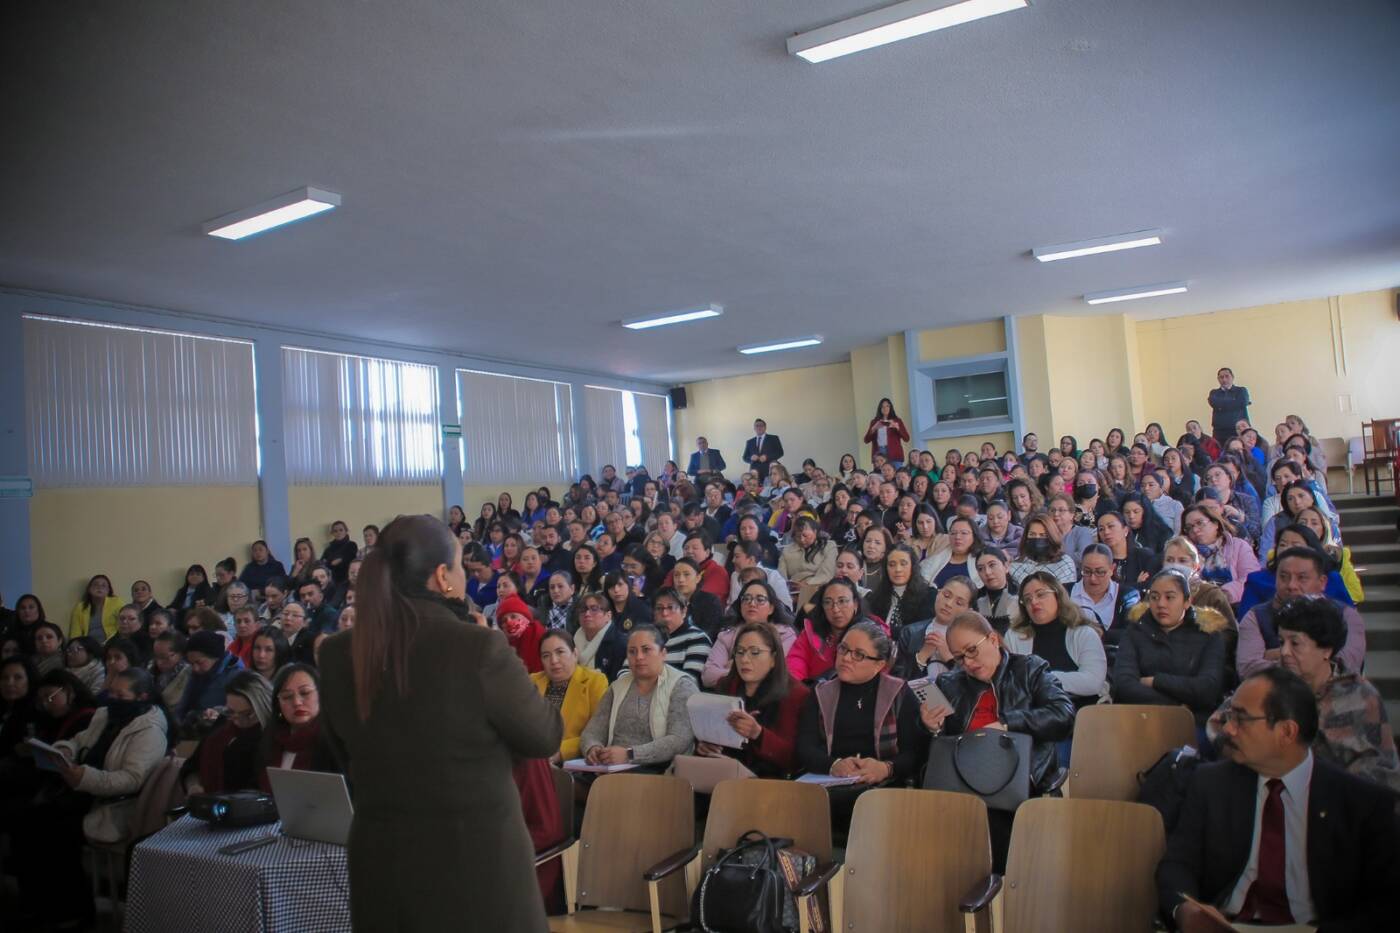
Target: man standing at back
[(1274, 835), (705, 460), (762, 449), (1228, 404)]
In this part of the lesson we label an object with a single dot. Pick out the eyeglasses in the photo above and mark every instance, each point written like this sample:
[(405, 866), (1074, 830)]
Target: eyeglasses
[(832, 603), (243, 717), (856, 654), (1104, 572), (754, 599), (962, 657), (1199, 523), (751, 652), (667, 607), (1238, 716)]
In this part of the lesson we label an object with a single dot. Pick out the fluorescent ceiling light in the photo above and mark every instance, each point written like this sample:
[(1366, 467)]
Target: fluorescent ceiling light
[(901, 21), (674, 317), (1140, 291), (1103, 244), (294, 205), (781, 345)]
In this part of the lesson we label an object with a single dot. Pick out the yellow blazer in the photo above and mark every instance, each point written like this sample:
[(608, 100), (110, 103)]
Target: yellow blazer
[(78, 618), (586, 689)]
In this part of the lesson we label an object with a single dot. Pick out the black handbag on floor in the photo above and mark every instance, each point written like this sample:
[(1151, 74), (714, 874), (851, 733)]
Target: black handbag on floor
[(744, 891), (989, 763)]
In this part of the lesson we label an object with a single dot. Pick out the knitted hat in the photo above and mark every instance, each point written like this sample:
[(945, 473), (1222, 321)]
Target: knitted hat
[(209, 644), (513, 604)]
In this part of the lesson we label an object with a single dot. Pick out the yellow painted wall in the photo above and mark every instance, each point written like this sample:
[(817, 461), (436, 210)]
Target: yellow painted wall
[(313, 508), (811, 410), (1091, 384), (1331, 360), (964, 340), (129, 533), (878, 371), (1033, 370)]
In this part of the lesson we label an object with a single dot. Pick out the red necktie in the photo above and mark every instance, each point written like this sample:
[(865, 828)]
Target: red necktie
[(1267, 899)]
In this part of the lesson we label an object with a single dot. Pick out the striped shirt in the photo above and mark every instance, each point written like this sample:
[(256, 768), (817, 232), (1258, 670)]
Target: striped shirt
[(687, 649)]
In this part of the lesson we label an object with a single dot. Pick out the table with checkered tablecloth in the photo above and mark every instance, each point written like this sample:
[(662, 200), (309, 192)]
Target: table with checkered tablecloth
[(180, 883)]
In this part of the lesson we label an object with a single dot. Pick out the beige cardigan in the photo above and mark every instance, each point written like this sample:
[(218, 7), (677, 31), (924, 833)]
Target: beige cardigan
[(132, 757), (808, 575)]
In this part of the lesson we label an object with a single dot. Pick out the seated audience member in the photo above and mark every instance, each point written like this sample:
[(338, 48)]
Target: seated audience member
[(991, 688), (270, 652), (225, 574), (64, 707), (745, 556), (131, 625), (958, 558), (756, 603), (1099, 594), (168, 667), (587, 572), (339, 552), (1238, 505), (118, 655), (300, 637), (1297, 572), (1276, 834), (1040, 550), (1313, 520), (921, 648), (1226, 560), (144, 600), (262, 569), (1133, 565), (626, 607), (49, 648), (160, 623), (111, 758), (713, 579), (18, 683), (228, 758), (809, 560), (276, 593), (1171, 653), (863, 723), (571, 688), (211, 668), (1073, 537), (303, 559), (996, 600), (245, 628), (1262, 585), (702, 609), (236, 597), (293, 738), (813, 655), (194, 593), (95, 615), (84, 661), (773, 702), (686, 647), (1000, 532), (643, 573), (29, 612), (643, 716), (850, 565), (1054, 628), (559, 602), (1154, 487), (320, 616), (904, 595), (1354, 732), (205, 619), (522, 630)]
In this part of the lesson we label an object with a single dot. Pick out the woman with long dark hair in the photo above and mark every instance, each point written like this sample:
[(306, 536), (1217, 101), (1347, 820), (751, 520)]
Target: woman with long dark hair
[(414, 689), (886, 434), (96, 613)]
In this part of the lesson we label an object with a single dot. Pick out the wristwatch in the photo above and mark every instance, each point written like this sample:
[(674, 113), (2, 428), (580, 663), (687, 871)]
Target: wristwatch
[(631, 756)]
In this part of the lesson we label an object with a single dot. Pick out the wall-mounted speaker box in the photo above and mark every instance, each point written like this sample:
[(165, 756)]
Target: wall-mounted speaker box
[(678, 397)]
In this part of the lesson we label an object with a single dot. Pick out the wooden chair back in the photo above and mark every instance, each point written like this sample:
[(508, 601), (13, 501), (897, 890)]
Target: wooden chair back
[(1083, 865), (1115, 742), (631, 822), (910, 857), (800, 812), (564, 790), (1380, 437)]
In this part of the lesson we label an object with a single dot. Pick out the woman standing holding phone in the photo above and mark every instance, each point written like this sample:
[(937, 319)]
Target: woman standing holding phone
[(887, 434)]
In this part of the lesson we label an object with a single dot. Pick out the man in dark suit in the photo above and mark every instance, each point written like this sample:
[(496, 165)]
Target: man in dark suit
[(1275, 835), (705, 460), (762, 449)]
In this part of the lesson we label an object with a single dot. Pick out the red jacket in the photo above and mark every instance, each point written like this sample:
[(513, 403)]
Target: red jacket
[(713, 580), (775, 752), (528, 646), (242, 650), (894, 438)]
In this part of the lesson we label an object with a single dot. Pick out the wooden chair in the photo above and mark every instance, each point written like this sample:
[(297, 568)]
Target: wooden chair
[(1114, 743), (800, 812), (564, 790), (1380, 445), (631, 822), (912, 858), (1081, 865), (158, 794)]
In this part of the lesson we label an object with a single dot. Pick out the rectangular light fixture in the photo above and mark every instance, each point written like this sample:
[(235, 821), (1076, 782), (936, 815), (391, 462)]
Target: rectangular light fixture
[(901, 21), (793, 344), (1103, 244), (1140, 291), (292, 206), (674, 317)]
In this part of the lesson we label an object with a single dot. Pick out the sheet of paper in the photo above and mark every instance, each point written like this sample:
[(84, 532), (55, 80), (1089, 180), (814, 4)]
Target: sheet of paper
[(709, 719), (581, 764), (827, 780), (46, 757)]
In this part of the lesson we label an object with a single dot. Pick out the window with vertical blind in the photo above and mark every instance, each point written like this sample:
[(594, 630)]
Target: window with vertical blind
[(357, 420), (606, 435), (515, 428), (653, 430), (125, 406)]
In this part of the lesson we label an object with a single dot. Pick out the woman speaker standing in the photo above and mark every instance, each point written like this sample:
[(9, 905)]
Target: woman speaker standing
[(427, 711)]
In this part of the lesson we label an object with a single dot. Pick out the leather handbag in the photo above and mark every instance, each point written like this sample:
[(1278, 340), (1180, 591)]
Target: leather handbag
[(989, 763), (745, 891)]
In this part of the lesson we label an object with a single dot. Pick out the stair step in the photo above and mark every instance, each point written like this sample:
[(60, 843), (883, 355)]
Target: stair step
[(1362, 501), (1379, 598), (1353, 535), (1374, 554), (1371, 515), (1383, 670), (1392, 710), (1377, 575), (1382, 630)]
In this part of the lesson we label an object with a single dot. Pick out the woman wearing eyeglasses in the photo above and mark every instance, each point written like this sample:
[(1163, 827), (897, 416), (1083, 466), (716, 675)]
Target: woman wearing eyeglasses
[(1226, 560), (921, 648), (838, 606), (757, 602), (1055, 629), (570, 687), (992, 688), (228, 758), (773, 701), (863, 723), (293, 738), (601, 639)]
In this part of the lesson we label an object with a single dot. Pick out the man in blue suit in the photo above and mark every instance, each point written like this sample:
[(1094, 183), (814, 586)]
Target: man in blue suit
[(705, 459)]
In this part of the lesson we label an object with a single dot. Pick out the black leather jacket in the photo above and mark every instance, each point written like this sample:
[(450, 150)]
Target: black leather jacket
[(1029, 701)]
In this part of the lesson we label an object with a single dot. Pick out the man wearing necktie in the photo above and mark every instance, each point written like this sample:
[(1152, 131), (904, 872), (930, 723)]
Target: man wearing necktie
[(1276, 835), (762, 449)]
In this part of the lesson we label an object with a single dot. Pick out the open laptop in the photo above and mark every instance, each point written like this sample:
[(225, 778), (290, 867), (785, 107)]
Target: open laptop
[(312, 805)]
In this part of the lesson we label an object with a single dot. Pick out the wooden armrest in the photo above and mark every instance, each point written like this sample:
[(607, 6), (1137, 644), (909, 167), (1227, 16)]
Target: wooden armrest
[(554, 851), (980, 895), (671, 864), (819, 876)]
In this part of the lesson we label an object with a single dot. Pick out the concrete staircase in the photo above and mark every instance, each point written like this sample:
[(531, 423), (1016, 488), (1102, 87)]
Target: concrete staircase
[(1369, 529)]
